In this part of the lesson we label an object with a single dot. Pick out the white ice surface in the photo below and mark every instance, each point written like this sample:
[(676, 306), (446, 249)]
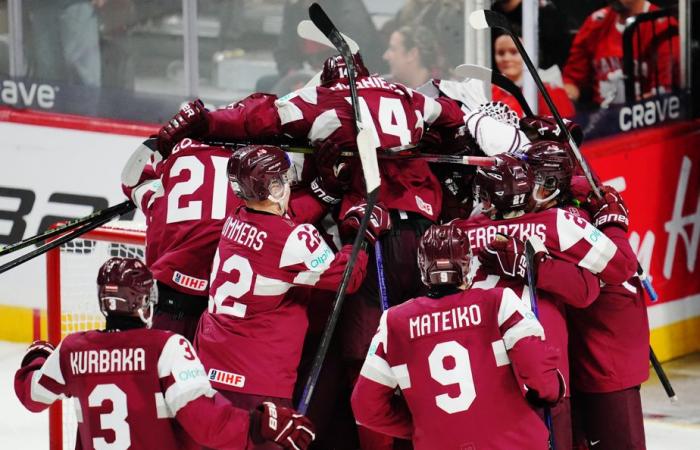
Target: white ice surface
[(673, 427)]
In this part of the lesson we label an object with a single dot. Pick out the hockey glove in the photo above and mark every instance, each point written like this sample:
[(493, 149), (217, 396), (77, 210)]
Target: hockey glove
[(37, 349), (334, 173), (379, 222), (281, 425), (545, 128), (505, 256), (608, 210), (191, 121)]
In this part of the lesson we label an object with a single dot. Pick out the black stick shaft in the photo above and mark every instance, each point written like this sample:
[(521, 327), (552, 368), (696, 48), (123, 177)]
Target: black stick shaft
[(63, 228), (661, 373), (65, 238)]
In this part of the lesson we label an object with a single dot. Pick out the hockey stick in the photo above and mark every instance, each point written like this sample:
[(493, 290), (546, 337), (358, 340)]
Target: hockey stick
[(490, 19), (496, 78), (532, 287), (381, 279), (368, 159), (70, 225), (125, 208), (662, 376)]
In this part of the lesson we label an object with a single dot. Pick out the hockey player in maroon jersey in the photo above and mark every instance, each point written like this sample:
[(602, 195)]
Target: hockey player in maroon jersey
[(186, 199), (504, 191), (139, 388), (458, 357), (609, 339), (250, 339)]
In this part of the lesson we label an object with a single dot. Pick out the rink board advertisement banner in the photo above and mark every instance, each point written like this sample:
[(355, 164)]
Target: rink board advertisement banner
[(658, 172), (50, 173)]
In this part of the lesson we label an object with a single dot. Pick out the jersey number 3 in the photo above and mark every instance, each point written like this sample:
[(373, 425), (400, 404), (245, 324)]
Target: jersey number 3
[(453, 355), (114, 420)]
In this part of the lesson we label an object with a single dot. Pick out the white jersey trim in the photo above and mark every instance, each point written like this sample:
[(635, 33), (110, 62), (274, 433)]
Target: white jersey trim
[(324, 125)]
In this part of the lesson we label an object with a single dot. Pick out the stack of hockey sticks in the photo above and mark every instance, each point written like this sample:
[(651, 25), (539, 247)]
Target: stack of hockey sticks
[(490, 19)]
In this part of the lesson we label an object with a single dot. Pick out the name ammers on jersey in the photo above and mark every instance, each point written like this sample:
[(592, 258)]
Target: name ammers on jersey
[(479, 237), (108, 361), (243, 233), (437, 322)]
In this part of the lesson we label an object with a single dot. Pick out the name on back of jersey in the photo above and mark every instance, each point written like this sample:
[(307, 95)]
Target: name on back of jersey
[(479, 237), (244, 234), (108, 361), (440, 321)]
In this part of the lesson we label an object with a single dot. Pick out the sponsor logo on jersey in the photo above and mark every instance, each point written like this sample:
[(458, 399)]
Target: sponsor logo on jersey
[(322, 258), (191, 374), (189, 282), (423, 206), (232, 379)]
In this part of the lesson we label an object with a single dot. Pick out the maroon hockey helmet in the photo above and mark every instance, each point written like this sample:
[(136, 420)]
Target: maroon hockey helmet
[(507, 184), (444, 256), (259, 171), (125, 287), (334, 68), (552, 166)]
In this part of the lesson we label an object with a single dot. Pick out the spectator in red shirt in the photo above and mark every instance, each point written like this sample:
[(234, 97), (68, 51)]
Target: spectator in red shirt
[(595, 59), (510, 63)]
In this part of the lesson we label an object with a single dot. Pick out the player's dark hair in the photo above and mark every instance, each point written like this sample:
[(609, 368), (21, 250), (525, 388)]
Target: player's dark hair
[(420, 37)]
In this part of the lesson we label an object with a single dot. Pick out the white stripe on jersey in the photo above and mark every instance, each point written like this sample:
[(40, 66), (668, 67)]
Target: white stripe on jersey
[(375, 368), (50, 369), (402, 376), (191, 381), (431, 110), (162, 411), (602, 248), (525, 327), (324, 125), (288, 111), (270, 286), (500, 353)]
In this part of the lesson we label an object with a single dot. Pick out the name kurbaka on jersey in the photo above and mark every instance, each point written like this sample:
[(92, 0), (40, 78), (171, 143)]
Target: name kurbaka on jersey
[(108, 361)]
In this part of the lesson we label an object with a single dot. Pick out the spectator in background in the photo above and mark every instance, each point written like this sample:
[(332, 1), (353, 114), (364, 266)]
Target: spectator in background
[(595, 65), (65, 38), (117, 19), (413, 56), (510, 63), (554, 29), (444, 17)]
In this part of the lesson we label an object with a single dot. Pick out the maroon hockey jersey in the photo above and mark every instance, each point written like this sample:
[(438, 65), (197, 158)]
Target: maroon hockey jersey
[(129, 386), (250, 339), (395, 115), (455, 360), (185, 200)]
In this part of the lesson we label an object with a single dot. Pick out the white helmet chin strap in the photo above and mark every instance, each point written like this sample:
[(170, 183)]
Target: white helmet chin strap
[(543, 201), (147, 320), (283, 201)]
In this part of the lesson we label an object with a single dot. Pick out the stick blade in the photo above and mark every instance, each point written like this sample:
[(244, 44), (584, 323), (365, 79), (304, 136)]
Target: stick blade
[(319, 17), (368, 158), (473, 71), (477, 20), (307, 30)]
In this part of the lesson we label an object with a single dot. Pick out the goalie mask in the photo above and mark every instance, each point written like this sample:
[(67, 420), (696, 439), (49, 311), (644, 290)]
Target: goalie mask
[(334, 69), (125, 287), (505, 187), (444, 256), (261, 172), (552, 168)]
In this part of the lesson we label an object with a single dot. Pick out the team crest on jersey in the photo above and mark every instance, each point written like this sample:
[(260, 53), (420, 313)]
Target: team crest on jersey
[(189, 282), (232, 379)]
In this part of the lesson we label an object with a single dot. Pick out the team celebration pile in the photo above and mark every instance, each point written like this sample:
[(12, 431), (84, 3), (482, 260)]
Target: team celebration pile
[(435, 273)]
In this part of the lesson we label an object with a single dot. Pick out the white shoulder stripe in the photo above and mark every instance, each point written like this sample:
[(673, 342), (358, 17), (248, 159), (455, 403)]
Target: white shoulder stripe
[(270, 286), (288, 112), (324, 125), (377, 370)]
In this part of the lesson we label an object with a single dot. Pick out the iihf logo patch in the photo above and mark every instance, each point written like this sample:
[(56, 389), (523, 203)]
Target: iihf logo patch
[(232, 379), (187, 281)]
